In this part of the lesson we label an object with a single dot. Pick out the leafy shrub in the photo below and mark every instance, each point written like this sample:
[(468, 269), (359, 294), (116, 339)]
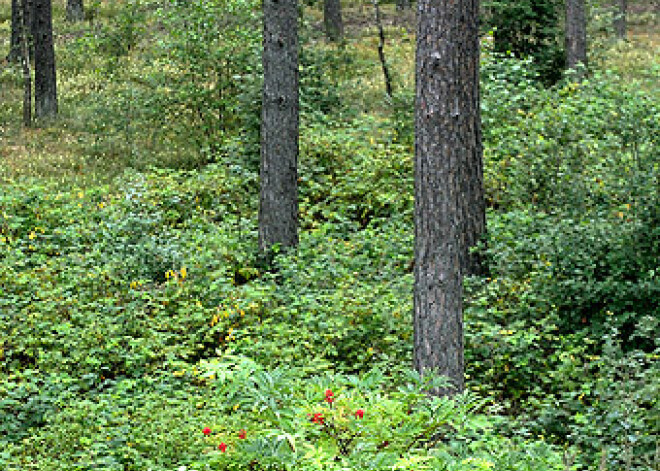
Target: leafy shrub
[(559, 323), (357, 423), (529, 29), (349, 178), (580, 147)]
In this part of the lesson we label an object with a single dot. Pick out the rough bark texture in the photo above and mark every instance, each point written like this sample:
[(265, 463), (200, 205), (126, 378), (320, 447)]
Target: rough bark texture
[(45, 83), (576, 36), (334, 26), (620, 23), (278, 208), (472, 188), (75, 11), (447, 151)]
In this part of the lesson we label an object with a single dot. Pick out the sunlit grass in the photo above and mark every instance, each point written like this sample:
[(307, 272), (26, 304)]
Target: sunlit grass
[(639, 56)]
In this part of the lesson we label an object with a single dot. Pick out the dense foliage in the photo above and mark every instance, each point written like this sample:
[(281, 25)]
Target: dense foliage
[(141, 331), (529, 29)]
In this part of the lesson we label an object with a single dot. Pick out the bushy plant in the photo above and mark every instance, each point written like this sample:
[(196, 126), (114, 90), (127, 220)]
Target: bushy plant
[(372, 421), (555, 340), (529, 29), (213, 54)]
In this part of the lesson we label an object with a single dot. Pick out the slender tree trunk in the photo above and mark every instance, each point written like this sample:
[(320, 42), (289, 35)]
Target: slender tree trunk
[(402, 4), (447, 148), (45, 83), (334, 26), (75, 11), (278, 208), (18, 19), (16, 32), (620, 23), (25, 63), (381, 51), (576, 37)]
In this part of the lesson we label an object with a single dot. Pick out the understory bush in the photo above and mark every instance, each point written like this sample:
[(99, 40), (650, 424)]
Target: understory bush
[(529, 30), (142, 330)]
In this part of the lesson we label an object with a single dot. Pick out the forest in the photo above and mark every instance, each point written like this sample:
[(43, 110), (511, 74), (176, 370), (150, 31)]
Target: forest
[(149, 322)]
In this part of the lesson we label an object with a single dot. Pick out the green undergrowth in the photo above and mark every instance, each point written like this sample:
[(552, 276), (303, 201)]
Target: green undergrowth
[(135, 310)]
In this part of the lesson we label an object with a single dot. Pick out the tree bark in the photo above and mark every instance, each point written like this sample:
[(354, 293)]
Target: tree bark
[(25, 64), (22, 13), (576, 37), (334, 26), (620, 23), (45, 83), (75, 11), (278, 202), (447, 154)]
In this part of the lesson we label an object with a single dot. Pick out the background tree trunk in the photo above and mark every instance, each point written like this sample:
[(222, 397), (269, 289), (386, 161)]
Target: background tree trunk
[(447, 149), (381, 51), (576, 36), (74, 10), (402, 4), (19, 18), (16, 32), (25, 63), (334, 26), (45, 83), (620, 23), (278, 202)]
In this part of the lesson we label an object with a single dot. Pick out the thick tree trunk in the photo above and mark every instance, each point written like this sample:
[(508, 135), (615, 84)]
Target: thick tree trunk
[(278, 208), (334, 26), (447, 154), (576, 36), (620, 23), (472, 184), (45, 86), (74, 10)]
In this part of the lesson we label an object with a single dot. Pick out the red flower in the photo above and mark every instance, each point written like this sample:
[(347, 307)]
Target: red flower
[(359, 414), (222, 447), (242, 434), (206, 431), (329, 396), (318, 419)]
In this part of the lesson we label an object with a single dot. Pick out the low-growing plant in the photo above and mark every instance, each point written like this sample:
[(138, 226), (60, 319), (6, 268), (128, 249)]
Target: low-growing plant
[(373, 421)]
